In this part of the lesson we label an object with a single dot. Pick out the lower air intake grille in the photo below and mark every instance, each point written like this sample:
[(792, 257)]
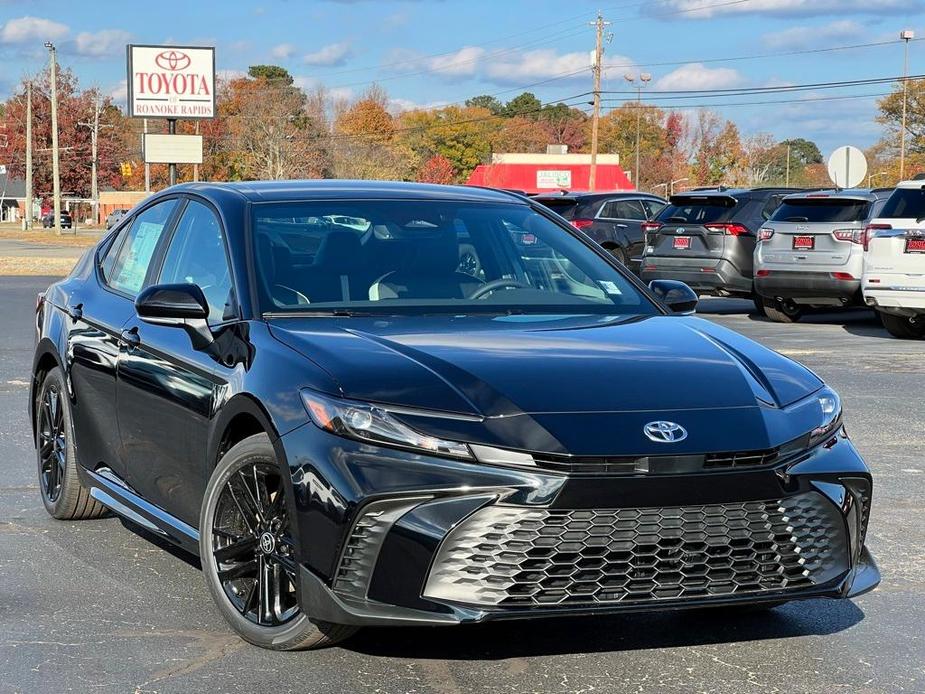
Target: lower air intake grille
[(521, 557)]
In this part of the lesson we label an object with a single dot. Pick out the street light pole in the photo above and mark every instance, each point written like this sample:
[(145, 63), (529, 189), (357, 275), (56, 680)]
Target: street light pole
[(905, 36), (871, 177), (644, 78), (56, 184)]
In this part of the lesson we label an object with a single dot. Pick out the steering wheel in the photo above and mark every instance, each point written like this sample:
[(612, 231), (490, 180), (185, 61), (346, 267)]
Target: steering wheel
[(494, 285)]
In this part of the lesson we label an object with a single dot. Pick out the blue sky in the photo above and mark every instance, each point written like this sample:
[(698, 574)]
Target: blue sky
[(434, 52)]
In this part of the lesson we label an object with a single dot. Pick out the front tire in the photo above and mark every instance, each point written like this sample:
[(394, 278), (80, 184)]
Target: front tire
[(619, 255), (64, 497), (248, 554), (782, 311), (902, 327)]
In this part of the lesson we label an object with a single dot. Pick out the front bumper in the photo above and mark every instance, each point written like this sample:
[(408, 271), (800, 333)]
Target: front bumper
[(809, 288), (403, 539), (703, 275)]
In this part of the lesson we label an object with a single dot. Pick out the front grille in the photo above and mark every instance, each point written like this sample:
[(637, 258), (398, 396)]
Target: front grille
[(521, 557), (656, 464)]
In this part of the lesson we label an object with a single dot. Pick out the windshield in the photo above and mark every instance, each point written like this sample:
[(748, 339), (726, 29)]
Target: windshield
[(905, 202), (410, 256), (822, 210), (698, 210)]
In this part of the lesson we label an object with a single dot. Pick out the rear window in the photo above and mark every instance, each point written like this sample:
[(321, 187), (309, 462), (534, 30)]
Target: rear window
[(822, 210), (698, 210), (905, 202), (562, 206)]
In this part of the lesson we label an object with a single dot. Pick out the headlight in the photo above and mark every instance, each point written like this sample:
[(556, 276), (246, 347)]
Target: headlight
[(829, 416), (371, 423)]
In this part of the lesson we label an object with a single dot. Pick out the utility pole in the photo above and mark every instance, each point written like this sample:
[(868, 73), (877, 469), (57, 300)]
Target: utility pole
[(56, 185), (644, 78), (172, 168), (787, 180), (196, 166), (147, 165), (906, 36), (599, 25), (94, 148), (28, 215)]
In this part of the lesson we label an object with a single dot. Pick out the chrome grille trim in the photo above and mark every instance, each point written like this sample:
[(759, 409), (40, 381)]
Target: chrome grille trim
[(505, 556)]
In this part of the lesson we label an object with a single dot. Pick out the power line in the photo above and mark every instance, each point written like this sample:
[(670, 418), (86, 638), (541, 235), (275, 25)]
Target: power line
[(742, 91), (776, 101)]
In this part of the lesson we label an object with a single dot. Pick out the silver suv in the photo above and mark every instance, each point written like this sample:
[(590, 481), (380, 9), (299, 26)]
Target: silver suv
[(811, 253)]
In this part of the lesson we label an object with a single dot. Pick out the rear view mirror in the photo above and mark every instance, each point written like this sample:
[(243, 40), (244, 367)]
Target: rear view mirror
[(677, 296), (180, 305)]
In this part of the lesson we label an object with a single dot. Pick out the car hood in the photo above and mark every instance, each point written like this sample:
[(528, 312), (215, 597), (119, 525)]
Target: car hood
[(561, 375)]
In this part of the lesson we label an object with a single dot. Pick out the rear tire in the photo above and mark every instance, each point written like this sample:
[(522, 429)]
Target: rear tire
[(759, 305), (64, 497), (782, 312), (253, 580), (901, 327), (619, 254)]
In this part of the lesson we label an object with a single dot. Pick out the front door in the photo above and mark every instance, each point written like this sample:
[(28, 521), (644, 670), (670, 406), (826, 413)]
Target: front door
[(166, 389)]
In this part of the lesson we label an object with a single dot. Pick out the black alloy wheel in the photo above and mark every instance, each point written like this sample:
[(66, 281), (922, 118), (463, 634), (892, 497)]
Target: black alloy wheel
[(253, 550), (249, 555), (52, 444)]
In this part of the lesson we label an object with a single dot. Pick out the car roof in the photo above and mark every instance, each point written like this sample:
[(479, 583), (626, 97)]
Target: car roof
[(732, 192), (914, 183), (325, 189)]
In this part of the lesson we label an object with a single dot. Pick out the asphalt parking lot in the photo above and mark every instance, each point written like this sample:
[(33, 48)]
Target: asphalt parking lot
[(94, 606)]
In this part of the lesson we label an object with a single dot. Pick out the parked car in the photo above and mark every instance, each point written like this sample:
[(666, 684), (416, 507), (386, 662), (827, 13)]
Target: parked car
[(894, 261), (362, 434), (810, 252), (48, 220), (614, 220), (113, 217), (707, 239)]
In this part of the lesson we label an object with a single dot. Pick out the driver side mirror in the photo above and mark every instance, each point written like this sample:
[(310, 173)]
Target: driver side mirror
[(179, 305), (677, 296)]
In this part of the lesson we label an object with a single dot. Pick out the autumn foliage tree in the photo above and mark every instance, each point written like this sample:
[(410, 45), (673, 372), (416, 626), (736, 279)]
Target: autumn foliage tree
[(437, 169)]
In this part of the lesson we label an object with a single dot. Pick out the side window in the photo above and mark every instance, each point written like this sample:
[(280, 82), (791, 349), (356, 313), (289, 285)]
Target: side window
[(653, 207), (108, 258), (771, 205), (623, 209), (130, 265), (196, 255)]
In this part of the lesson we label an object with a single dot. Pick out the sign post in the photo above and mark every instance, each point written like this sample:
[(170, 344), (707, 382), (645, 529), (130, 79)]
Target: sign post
[(171, 82)]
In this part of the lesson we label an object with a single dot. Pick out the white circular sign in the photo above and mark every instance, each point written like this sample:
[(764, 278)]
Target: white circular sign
[(847, 167)]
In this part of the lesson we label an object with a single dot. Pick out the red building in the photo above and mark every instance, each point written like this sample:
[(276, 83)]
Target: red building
[(542, 173)]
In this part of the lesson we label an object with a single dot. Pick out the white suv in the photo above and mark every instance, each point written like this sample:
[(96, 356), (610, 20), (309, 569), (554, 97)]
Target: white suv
[(894, 261)]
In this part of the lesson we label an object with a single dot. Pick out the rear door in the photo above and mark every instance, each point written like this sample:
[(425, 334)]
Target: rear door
[(693, 226), (817, 230), (622, 220)]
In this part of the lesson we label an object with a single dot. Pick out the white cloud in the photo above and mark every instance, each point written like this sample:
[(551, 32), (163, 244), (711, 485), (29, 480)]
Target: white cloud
[(537, 64), (703, 9), (463, 62), (698, 76), (283, 51), (101, 43), (228, 75), (330, 55), (800, 37), (399, 105), (32, 29), (119, 92)]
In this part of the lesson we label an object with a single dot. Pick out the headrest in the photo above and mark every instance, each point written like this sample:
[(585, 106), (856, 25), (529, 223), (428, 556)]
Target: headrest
[(436, 254), (339, 252)]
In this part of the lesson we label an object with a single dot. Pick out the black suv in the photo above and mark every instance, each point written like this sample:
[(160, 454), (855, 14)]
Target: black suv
[(614, 220), (706, 238)]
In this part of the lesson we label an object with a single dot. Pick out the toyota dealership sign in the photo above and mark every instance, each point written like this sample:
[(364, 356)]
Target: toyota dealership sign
[(171, 82)]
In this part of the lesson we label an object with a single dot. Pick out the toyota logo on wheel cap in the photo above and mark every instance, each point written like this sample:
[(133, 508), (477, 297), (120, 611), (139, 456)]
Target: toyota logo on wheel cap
[(665, 432), (172, 60)]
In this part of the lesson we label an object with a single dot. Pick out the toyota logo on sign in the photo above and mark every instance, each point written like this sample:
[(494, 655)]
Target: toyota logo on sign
[(172, 60)]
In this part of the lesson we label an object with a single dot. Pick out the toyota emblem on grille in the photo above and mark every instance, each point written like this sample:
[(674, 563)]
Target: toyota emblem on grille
[(665, 432)]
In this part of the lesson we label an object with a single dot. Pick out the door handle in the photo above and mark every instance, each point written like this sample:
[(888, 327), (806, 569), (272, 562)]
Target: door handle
[(621, 226), (130, 337), (76, 311)]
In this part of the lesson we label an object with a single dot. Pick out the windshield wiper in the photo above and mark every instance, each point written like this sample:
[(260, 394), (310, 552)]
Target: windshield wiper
[(326, 313), (796, 219)]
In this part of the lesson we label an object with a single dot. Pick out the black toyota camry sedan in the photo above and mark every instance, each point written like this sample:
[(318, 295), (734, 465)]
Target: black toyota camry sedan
[(376, 403)]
